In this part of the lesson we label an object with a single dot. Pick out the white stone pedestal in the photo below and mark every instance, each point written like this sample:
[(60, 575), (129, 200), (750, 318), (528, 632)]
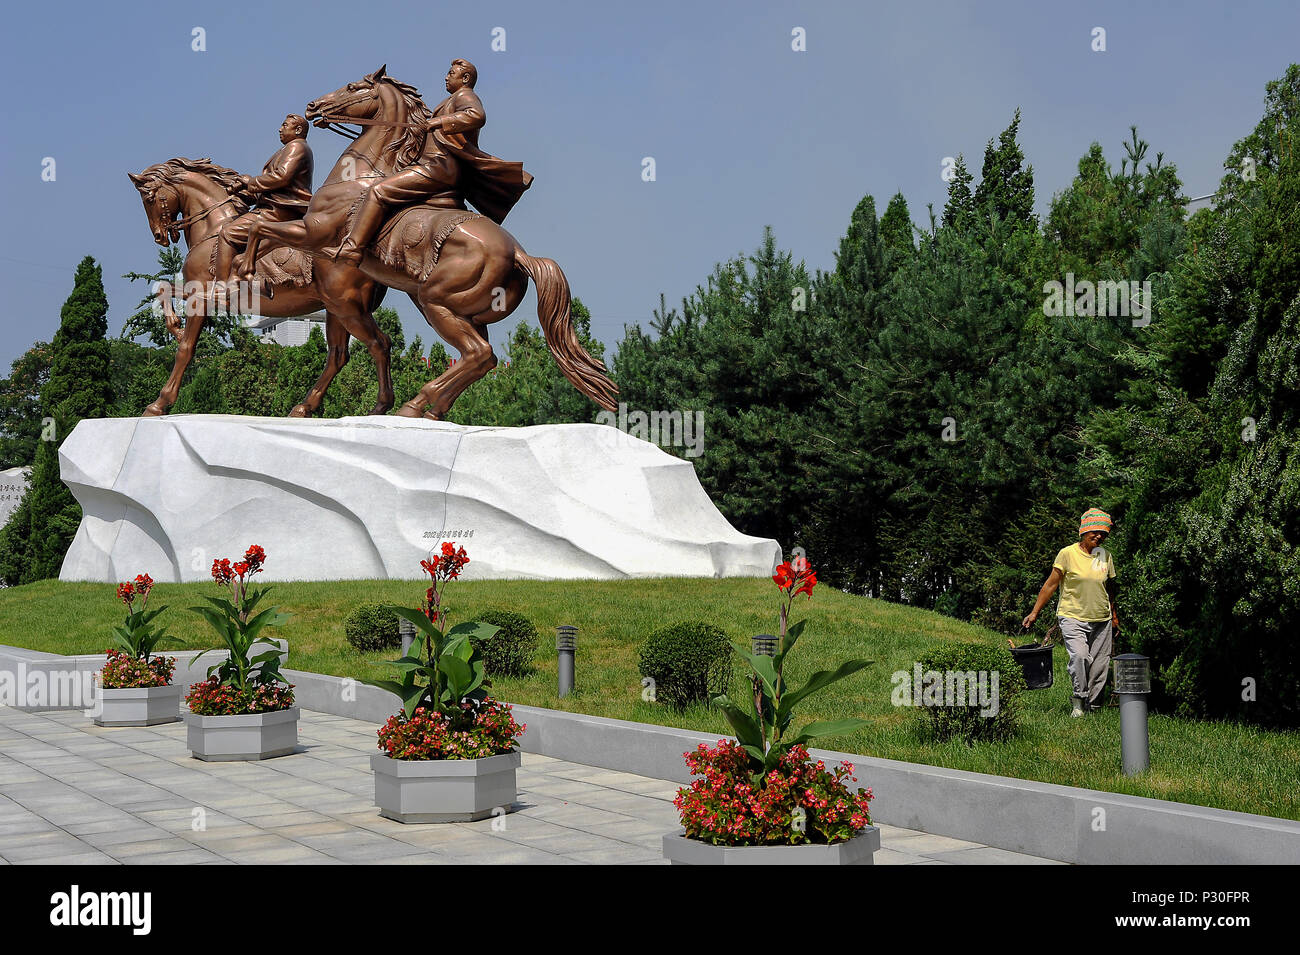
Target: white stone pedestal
[(370, 497)]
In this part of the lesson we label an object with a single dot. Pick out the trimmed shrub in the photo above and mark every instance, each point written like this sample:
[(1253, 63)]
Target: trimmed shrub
[(689, 663), (510, 652), (960, 703), (370, 627)]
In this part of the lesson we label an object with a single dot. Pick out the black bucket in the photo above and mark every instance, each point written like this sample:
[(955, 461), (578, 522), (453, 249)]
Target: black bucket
[(1036, 664)]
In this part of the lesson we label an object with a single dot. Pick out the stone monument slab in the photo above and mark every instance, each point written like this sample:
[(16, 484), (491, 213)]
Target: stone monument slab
[(370, 497)]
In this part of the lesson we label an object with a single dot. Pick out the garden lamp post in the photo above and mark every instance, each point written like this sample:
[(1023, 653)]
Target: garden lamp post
[(406, 630), (566, 647), (763, 645), (1133, 685)]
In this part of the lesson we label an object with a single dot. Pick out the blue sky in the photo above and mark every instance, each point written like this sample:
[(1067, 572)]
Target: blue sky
[(745, 131)]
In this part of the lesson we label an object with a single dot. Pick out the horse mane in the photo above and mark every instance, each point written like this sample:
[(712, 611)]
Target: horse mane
[(410, 142), (174, 170)]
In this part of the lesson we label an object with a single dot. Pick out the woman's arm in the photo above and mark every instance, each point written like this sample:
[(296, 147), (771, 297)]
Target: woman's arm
[(1049, 587), (1111, 591)]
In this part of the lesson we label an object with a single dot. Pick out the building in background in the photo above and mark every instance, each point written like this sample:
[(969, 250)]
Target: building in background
[(286, 331)]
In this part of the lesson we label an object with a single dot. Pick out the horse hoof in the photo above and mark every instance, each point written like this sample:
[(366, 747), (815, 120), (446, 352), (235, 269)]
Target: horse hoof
[(406, 411), (431, 416), (300, 411), (380, 409), (154, 410)]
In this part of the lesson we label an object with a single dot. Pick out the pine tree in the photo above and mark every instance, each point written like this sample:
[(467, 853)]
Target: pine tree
[(79, 387), (959, 211), (1006, 189)]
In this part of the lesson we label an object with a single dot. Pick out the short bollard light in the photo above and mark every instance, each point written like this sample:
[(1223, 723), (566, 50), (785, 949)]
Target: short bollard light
[(763, 645), (566, 646), (1133, 685), (406, 630)]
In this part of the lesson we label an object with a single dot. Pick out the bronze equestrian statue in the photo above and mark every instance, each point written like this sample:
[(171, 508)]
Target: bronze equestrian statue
[(451, 166), (461, 268)]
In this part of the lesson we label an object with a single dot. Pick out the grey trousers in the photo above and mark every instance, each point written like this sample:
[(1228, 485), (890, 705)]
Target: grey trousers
[(1088, 645)]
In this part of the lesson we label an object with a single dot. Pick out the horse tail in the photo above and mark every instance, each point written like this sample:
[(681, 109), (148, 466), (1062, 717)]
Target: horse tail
[(588, 375)]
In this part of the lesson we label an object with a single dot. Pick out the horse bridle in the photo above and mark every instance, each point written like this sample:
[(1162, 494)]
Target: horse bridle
[(334, 123), (174, 228)]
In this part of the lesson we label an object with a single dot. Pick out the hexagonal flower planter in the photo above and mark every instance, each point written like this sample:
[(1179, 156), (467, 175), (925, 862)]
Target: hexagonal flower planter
[(859, 850), (245, 736), (444, 790), (139, 705)]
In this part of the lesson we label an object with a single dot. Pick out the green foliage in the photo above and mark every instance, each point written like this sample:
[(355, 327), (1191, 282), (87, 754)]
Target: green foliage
[(20, 406), (138, 637), (78, 387), (510, 651), (372, 627), (1203, 454), (690, 663), (447, 671), (203, 395), (15, 549), (761, 724), (240, 629), (970, 721)]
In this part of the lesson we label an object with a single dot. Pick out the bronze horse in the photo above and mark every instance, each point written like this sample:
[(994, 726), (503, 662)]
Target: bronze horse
[(462, 270), (202, 195)]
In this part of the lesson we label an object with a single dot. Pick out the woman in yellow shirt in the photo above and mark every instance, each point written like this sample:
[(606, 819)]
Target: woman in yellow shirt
[(1086, 611)]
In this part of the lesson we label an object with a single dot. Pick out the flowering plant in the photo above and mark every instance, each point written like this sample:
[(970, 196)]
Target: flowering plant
[(798, 802), (443, 676), (764, 789), (214, 698), (430, 735), (137, 637), (761, 725), (253, 681), (123, 671)]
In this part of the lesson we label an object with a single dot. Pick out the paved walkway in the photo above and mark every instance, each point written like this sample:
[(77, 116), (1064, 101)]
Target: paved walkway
[(75, 793)]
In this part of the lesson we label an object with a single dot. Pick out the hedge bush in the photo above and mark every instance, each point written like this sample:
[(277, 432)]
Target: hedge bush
[(965, 721), (370, 627), (689, 662), (510, 652)]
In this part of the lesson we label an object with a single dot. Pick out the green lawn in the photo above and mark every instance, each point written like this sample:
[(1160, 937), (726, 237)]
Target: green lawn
[(1210, 764)]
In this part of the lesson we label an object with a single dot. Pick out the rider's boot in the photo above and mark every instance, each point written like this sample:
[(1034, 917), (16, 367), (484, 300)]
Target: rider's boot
[(369, 217)]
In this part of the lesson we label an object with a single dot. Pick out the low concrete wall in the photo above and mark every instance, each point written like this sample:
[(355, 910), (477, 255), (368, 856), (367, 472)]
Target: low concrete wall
[(67, 682), (1042, 819)]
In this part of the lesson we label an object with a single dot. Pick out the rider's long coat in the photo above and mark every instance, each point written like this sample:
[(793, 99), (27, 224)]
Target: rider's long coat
[(491, 185)]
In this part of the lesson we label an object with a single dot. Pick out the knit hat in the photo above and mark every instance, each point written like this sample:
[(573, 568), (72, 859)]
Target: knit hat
[(1095, 519)]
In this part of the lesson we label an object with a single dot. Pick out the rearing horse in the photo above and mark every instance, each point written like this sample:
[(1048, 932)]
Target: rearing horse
[(196, 191), (462, 270)]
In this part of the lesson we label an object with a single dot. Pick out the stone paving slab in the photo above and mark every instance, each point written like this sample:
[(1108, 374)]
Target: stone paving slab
[(72, 792)]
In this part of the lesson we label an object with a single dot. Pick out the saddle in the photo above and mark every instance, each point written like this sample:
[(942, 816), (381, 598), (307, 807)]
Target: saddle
[(412, 240), (278, 266)]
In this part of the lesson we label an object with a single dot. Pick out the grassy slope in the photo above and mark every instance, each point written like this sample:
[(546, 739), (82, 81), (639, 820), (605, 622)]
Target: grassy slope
[(1210, 764)]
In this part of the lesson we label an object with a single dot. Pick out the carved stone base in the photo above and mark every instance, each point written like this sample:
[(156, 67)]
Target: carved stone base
[(369, 497)]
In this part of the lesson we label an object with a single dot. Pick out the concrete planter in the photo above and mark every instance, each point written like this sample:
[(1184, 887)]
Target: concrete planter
[(857, 851), (139, 706), (444, 790), (246, 736)]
